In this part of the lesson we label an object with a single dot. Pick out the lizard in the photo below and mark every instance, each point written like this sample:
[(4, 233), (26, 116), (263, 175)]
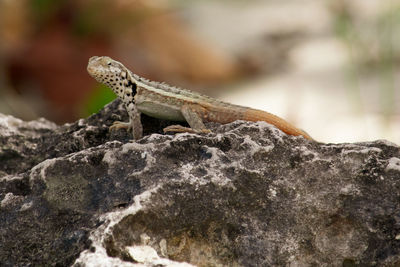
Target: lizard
[(162, 101)]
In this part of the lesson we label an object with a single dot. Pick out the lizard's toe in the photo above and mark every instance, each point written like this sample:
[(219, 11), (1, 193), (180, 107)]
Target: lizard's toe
[(120, 125)]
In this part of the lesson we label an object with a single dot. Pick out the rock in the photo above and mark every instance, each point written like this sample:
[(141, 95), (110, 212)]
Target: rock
[(245, 195)]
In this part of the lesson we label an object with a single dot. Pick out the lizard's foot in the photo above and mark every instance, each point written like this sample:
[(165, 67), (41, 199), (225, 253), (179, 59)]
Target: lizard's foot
[(181, 129), (119, 124)]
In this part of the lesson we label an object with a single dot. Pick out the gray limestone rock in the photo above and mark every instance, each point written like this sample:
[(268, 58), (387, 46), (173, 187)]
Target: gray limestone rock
[(245, 195)]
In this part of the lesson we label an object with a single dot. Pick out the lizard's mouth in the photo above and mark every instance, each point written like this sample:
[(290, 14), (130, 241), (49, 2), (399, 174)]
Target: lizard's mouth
[(92, 71), (91, 67)]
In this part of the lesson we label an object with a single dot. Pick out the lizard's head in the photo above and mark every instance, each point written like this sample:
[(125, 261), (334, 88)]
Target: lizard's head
[(104, 69), (113, 74)]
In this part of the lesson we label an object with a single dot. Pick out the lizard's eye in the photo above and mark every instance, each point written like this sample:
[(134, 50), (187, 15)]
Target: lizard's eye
[(109, 63)]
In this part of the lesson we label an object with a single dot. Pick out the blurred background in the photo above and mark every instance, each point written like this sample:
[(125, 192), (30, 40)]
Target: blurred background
[(330, 67)]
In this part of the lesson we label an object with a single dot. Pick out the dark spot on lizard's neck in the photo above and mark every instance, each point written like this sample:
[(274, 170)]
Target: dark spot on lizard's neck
[(133, 87)]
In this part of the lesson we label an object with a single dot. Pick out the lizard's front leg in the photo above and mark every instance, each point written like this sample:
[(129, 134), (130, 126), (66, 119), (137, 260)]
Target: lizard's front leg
[(193, 116), (134, 124)]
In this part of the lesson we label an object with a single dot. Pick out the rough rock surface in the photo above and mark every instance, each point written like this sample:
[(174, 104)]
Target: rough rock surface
[(245, 195)]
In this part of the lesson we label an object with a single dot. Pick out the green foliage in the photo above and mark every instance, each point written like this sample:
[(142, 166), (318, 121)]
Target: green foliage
[(101, 96), (371, 48), (44, 9), (388, 27)]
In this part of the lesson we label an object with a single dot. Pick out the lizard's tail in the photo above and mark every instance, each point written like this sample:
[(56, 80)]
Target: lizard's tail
[(259, 115)]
